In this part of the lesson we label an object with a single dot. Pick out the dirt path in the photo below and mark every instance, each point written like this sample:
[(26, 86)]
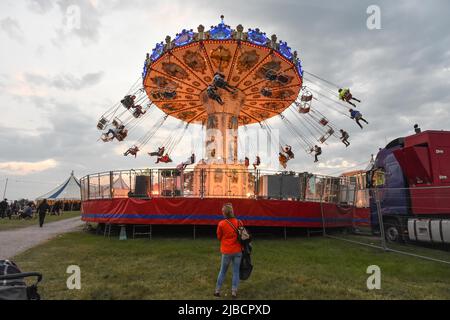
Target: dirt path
[(13, 242)]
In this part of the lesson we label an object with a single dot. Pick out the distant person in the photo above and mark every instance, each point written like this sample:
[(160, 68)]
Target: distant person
[(246, 161), (344, 137), (417, 129), (133, 151), (128, 101), (3, 207), (119, 133), (138, 111), (354, 114), (15, 208), (231, 249), (27, 212), (317, 153), (158, 153), (346, 95), (42, 209), (220, 82), (283, 159), (57, 208), (164, 159), (288, 150), (257, 162), (189, 161), (211, 91)]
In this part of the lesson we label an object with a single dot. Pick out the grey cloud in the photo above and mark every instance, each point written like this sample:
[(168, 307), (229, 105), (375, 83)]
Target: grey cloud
[(4, 78), (65, 81), (12, 28), (398, 72)]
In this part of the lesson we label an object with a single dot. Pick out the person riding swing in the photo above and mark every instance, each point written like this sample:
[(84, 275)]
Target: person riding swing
[(346, 95), (138, 111), (354, 114), (344, 137), (317, 153), (158, 153), (283, 159), (288, 150), (211, 91), (128, 101), (164, 159), (220, 82), (257, 162), (133, 151)]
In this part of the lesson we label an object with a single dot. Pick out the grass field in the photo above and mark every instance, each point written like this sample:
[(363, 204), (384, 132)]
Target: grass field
[(181, 268), (7, 224)]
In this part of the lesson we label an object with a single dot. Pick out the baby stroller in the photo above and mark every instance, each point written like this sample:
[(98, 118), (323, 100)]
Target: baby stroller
[(13, 285)]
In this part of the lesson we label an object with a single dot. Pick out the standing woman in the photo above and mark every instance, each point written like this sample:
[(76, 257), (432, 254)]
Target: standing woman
[(230, 247)]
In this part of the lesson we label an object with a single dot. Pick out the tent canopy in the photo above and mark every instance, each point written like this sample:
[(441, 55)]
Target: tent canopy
[(68, 190)]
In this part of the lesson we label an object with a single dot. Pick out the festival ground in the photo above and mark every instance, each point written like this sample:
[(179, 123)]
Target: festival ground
[(178, 267)]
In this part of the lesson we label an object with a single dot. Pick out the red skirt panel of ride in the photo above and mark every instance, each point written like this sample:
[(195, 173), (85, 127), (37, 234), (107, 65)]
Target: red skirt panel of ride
[(190, 211)]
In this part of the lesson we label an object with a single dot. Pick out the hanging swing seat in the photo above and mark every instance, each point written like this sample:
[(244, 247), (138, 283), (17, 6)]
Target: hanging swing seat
[(102, 123), (326, 136), (271, 75), (324, 121), (138, 112), (117, 122), (105, 138), (122, 135), (306, 97), (304, 109), (330, 132), (127, 102), (283, 79)]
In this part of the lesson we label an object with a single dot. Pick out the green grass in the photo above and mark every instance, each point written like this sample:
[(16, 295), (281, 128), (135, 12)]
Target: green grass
[(7, 224), (163, 268)]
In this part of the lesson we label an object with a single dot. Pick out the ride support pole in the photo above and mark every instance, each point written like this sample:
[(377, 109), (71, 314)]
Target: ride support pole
[(324, 232), (380, 219)]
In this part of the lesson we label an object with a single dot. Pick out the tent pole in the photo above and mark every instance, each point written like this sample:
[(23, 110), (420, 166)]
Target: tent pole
[(4, 191)]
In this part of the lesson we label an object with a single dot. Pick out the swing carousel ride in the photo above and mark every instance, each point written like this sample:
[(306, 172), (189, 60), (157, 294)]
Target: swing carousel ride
[(224, 79)]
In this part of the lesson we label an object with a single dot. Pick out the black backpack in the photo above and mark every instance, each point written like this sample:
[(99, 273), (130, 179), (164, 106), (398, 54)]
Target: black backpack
[(246, 266)]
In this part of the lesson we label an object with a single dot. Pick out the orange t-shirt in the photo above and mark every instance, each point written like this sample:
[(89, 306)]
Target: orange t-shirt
[(229, 243)]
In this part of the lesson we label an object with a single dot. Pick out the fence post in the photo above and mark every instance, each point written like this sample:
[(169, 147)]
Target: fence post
[(202, 179), (380, 219), (130, 185), (151, 184), (111, 183), (100, 191), (324, 232), (88, 188)]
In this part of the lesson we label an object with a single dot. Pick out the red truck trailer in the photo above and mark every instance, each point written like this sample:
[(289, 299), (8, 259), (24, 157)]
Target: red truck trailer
[(412, 177)]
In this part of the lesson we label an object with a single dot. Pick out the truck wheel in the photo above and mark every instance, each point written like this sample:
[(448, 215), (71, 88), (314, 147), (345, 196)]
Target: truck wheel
[(392, 231)]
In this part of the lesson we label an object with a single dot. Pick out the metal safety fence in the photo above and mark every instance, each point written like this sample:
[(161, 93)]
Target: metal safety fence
[(216, 183), (413, 221)]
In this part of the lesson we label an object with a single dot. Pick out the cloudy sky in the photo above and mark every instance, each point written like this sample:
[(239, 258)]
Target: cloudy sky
[(56, 80)]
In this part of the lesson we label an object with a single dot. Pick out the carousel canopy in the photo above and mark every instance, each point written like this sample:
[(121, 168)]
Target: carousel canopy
[(68, 190), (267, 74)]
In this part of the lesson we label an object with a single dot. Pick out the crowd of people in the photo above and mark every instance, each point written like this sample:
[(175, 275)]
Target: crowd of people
[(26, 209)]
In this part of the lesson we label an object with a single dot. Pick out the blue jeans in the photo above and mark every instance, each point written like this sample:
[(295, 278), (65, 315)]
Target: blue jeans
[(226, 259)]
